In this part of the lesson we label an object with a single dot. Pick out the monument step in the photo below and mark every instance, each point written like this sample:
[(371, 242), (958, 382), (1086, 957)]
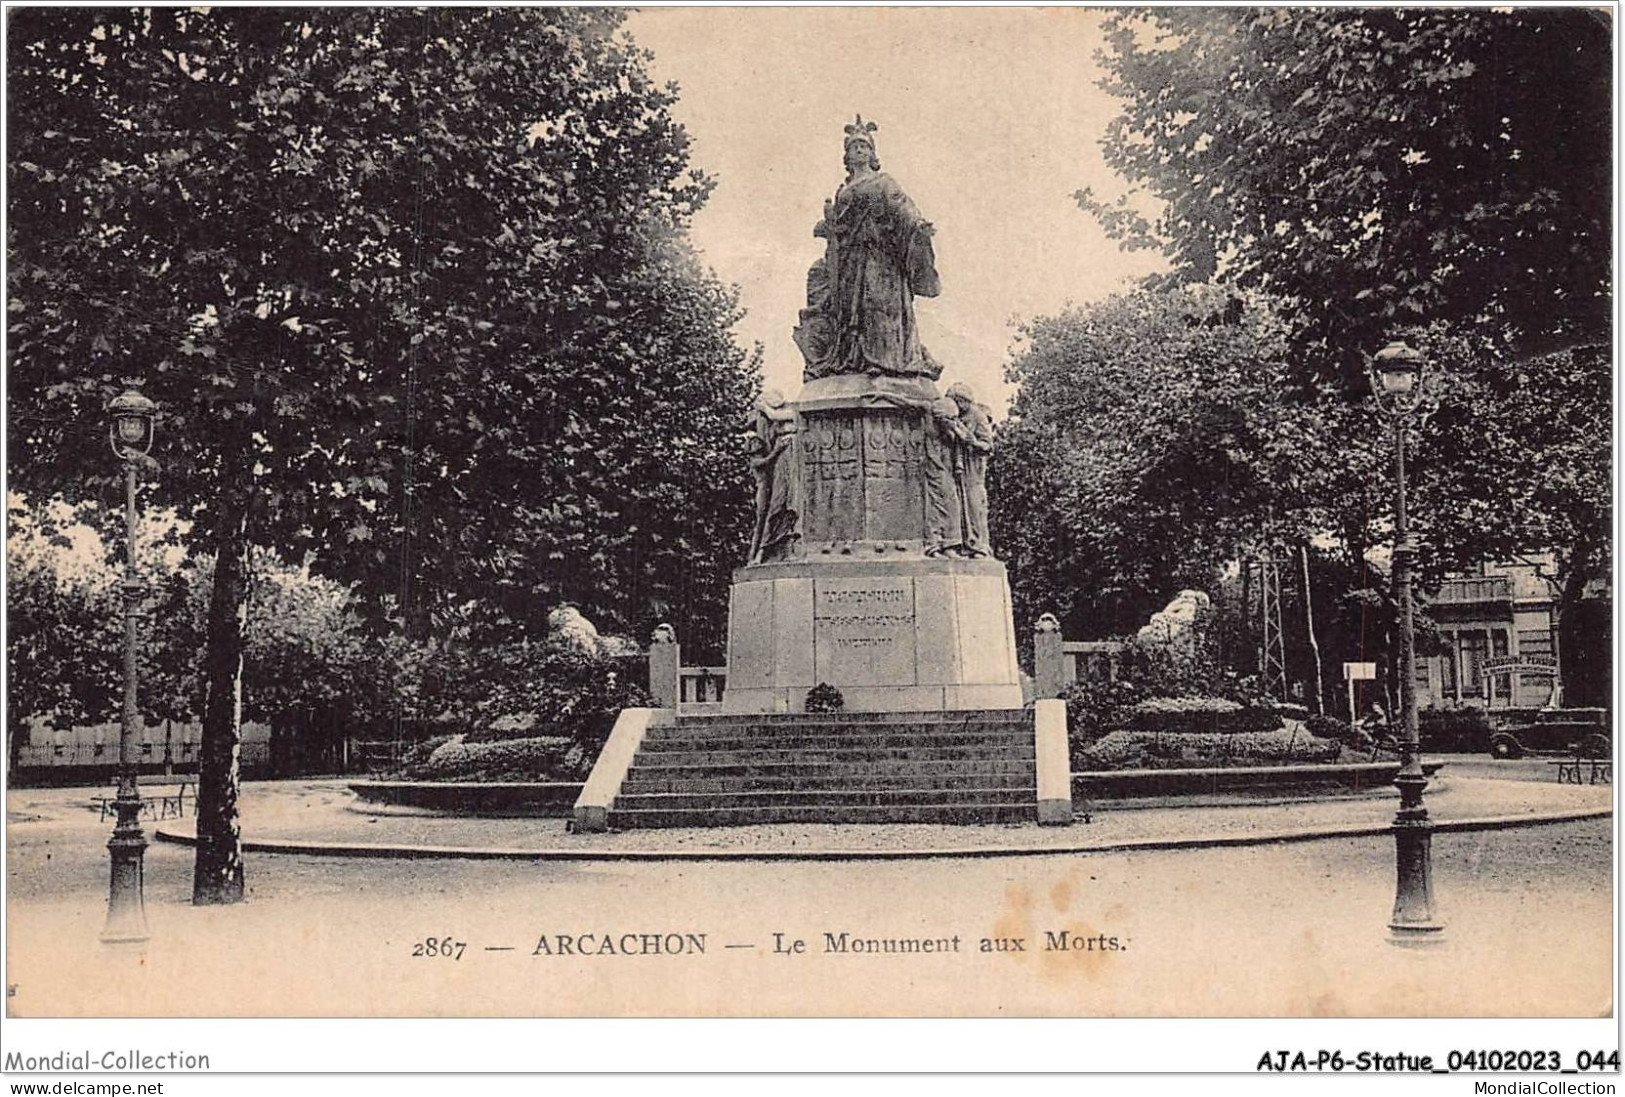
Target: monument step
[(957, 814), (899, 735), (854, 740), (968, 717), (833, 754), (822, 797), (640, 783), (655, 767)]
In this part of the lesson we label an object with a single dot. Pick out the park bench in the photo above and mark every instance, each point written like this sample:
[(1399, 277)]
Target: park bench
[(155, 805), (1574, 770)]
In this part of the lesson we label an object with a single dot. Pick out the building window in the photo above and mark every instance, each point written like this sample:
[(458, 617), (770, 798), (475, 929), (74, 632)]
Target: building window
[(1535, 642), (1447, 667), (1503, 682), (1535, 688), (1475, 647), (146, 748)]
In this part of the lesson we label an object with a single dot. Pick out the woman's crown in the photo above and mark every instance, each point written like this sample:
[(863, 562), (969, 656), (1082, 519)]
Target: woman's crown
[(861, 131)]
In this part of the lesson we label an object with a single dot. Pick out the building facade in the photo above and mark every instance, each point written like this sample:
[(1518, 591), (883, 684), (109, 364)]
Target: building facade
[(1499, 645)]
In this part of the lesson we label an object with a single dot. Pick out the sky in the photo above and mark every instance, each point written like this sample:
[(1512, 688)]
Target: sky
[(989, 119)]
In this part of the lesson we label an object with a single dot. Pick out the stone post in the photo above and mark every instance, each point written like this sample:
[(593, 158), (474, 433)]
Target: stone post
[(1053, 762), (1049, 660), (665, 658)]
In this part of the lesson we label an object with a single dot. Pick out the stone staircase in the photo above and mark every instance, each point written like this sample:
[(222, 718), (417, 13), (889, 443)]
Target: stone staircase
[(946, 767)]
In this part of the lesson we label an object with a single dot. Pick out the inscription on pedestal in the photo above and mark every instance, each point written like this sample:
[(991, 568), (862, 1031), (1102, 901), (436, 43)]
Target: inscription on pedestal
[(864, 631)]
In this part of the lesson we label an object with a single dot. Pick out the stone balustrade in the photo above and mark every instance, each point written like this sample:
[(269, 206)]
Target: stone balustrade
[(1057, 663)]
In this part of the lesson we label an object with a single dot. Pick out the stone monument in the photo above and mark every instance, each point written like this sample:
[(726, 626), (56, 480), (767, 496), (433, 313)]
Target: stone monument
[(870, 567)]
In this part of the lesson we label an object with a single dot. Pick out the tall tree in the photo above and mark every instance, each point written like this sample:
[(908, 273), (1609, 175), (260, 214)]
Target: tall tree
[(1445, 171), (385, 271), (1516, 461), (1373, 167), (305, 644), (1156, 437), (62, 630)]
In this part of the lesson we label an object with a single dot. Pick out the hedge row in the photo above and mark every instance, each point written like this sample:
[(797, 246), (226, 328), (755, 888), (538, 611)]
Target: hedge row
[(1144, 749), (1199, 715), (549, 757)]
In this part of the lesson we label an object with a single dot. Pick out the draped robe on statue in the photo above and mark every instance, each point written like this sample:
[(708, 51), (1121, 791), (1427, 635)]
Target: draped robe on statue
[(860, 296)]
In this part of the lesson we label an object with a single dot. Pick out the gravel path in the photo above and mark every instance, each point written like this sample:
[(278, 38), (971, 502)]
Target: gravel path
[(326, 812), (1293, 929)]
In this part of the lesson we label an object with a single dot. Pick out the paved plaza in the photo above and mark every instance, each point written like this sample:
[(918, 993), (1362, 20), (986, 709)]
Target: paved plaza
[(324, 816), (1271, 929)]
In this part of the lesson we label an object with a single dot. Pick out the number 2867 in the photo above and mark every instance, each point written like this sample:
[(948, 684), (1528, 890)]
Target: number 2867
[(442, 948)]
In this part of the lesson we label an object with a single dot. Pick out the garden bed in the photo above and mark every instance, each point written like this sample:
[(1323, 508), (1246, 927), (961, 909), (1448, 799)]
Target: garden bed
[(1126, 784), (539, 799)]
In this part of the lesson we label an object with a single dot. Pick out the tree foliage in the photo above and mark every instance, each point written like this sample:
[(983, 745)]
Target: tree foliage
[(64, 648), (62, 631), (411, 289), (1374, 167), (1516, 457), (421, 273), (1438, 174), (1155, 437)]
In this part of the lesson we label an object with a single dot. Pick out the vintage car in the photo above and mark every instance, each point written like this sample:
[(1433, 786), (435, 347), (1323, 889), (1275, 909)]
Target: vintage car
[(1583, 732)]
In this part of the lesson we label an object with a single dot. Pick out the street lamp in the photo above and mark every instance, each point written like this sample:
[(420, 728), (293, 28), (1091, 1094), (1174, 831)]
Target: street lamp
[(131, 434), (1396, 379)]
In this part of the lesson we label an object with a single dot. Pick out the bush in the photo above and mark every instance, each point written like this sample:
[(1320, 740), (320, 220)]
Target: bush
[(825, 698), (1461, 729), (1156, 669), (1186, 715), (1246, 690), (1095, 707), (419, 753), (551, 757), (1134, 749), (1330, 727), (556, 689)]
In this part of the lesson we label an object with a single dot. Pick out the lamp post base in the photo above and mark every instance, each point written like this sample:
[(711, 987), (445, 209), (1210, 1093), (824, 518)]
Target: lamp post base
[(1413, 921), (126, 900)]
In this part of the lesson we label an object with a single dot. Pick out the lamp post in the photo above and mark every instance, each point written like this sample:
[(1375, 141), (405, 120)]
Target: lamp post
[(131, 434), (1396, 379)]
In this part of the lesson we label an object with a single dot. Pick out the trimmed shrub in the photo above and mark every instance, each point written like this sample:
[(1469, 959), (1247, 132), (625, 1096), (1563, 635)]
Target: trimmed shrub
[(1330, 727), (1095, 707), (1196, 715), (1158, 669), (418, 754), (1135, 749), (551, 757)]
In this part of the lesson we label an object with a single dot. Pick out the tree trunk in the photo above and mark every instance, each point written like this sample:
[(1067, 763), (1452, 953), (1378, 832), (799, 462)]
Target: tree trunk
[(1248, 650), (17, 733), (1309, 623), (1570, 590), (218, 876)]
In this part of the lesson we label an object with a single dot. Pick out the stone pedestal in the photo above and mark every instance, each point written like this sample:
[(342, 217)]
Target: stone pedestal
[(917, 635), (857, 603)]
